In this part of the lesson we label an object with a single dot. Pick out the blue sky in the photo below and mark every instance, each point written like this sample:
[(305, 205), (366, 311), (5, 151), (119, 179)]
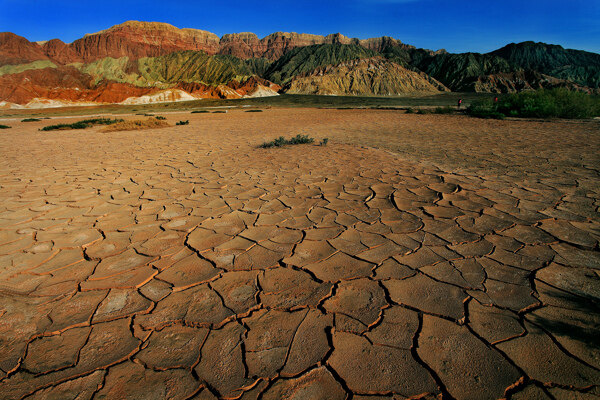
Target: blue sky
[(458, 26)]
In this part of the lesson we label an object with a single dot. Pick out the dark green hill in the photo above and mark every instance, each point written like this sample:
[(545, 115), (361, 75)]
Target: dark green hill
[(306, 59), (578, 66), (457, 71)]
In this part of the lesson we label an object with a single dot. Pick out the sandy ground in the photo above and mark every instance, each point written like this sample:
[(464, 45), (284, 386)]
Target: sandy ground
[(458, 259)]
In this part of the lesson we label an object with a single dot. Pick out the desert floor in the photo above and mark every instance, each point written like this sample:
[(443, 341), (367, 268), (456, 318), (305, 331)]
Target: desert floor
[(413, 255)]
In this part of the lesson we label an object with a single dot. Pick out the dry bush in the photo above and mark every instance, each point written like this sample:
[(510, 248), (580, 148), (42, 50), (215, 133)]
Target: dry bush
[(136, 125)]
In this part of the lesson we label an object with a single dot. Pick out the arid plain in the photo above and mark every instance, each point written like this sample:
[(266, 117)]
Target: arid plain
[(413, 256)]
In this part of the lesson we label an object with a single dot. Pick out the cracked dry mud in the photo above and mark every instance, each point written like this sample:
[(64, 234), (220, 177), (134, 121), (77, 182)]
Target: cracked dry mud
[(187, 263)]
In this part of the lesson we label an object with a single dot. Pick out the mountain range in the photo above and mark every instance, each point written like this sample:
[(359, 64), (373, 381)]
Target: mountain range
[(143, 62)]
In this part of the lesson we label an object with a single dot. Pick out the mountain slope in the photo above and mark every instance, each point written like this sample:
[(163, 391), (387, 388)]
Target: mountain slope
[(372, 76), (578, 66), (457, 71), (305, 59)]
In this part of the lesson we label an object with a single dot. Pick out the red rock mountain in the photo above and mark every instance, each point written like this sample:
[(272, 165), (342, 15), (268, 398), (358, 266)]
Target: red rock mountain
[(15, 49), (135, 40)]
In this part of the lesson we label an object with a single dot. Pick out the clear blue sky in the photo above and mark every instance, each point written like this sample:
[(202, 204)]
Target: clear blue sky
[(458, 26)]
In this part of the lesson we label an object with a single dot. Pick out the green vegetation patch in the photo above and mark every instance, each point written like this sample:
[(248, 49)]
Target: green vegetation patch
[(254, 111), (16, 69), (553, 103), (281, 141), (186, 122), (86, 123), (31, 120), (5, 127), (200, 112)]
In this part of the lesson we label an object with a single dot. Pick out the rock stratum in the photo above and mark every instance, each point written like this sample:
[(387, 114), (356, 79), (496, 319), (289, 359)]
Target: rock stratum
[(142, 62)]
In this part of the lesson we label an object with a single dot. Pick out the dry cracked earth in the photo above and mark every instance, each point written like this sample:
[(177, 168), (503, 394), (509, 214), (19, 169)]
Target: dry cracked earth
[(187, 263)]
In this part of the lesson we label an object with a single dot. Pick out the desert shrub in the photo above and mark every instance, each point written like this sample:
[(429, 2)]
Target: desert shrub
[(30, 120), (301, 139), (4, 127), (219, 112), (324, 142), (422, 112), (254, 110), (83, 124), (160, 118), (409, 110), (200, 111), (186, 122), (100, 121), (281, 141), (553, 103), (136, 125)]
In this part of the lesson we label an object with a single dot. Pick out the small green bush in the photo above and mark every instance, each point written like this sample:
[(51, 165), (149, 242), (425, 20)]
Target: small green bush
[(219, 112), (30, 120), (200, 112), (160, 118), (254, 110), (409, 110), (4, 127), (186, 122), (281, 141), (324, 142)]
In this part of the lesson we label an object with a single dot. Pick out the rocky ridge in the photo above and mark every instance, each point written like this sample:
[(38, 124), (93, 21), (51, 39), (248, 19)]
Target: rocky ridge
[(145, 58)]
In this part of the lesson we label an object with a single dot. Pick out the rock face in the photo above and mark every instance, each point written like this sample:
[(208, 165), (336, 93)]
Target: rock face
[(15, 49), (374, 76), (143, 39), (58, 50)]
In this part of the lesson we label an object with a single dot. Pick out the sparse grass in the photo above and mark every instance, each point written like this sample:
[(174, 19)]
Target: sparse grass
[(554, 103), (83, 124), (186, 122), (281, 141), (5, 127), (254, 110), (200, 112), (136, 125), (31, 120)]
